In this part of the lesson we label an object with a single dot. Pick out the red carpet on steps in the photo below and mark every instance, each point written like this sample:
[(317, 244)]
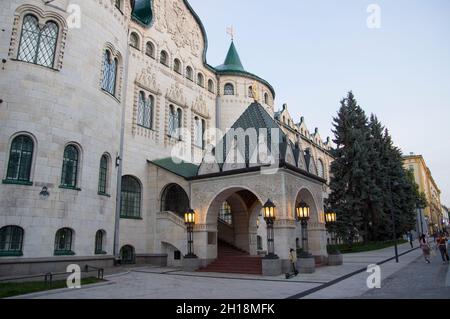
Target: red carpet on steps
[(233, 260)]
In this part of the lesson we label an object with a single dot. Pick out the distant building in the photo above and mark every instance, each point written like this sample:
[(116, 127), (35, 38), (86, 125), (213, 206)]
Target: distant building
[(432, 214)]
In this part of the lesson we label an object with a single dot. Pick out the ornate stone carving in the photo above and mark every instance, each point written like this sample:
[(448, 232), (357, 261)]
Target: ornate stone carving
[(147, 79), (173, 17), (199, 107), (176, 95)]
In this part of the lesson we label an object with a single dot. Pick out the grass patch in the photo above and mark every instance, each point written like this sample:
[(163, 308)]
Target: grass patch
[(361, 247), (11, 289)]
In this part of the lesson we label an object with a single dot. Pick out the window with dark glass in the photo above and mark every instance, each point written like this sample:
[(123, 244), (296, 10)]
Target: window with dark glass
[(127, 255), (99, 242), (109, 73), (228, 89), (177, 66), (20, 159), (70, 167), (103, 175), (11, 241), (225, 214), (63, 242), (164, 59), (189, 73), (211, 86), (38, 43), (134, 40), (130, 198), (174, 199), (200, 80), (150, 49), (145, 110)]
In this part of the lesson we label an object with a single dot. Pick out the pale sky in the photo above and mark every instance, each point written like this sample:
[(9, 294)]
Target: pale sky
[(314, 51)]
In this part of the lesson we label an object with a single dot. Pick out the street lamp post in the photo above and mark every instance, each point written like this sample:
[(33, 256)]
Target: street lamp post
[(269, 217), (330, 220), (189, 220), (303, 214)]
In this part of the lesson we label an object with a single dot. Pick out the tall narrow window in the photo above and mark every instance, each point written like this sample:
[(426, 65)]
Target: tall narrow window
[(38, 45), (177, 66), (11, 241), (109, 73), (20, 159), (99, 242), (189, 73), (228, 89), (70, 167), (179, 122), (225, 214), (63, 242), (103, 175), (150, 49), (173, 121), (197, 132), (130, 198), (200, 80), (134, 40), (266, 98), (145, 110), (210, 86), (164, 59), (320, 169), (250, 91)]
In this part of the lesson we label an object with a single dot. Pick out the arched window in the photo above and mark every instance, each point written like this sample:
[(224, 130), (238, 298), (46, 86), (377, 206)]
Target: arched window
[(177, 66), (199, 131), (259, 243), (174, 199), (150, 49), (38, 45), (173, 121), (109, 73), (63, 242), (250, 91), (179, 121), (164, 58), (127, 254), (100, 236), (20, 159), (228, 89), (11, 241), (200, 80), (134, 40), (320, 169), (130, 198), (145, 110), (189, 73), (103, 175), (70, 167), (210, 86), (266, 98), (225, 214)]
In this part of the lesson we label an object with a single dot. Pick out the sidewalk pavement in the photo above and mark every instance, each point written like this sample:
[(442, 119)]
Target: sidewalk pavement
[(167, 283)]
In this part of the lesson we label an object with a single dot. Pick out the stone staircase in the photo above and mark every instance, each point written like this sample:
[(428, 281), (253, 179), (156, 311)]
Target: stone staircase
[(233, 260)]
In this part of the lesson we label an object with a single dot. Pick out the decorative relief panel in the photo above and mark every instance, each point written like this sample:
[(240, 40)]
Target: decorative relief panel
[(176, 95), (174, 18), (199, 107)]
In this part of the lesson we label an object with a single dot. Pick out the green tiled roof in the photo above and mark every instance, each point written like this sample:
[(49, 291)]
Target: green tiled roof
[(143, 12), (177, 167), (232, 61), (233, 66)]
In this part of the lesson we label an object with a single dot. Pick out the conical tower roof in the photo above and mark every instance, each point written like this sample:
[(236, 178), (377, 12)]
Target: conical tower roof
[(232, 61)]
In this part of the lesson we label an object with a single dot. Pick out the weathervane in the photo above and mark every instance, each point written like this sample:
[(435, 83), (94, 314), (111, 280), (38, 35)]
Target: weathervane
[(230, 32)]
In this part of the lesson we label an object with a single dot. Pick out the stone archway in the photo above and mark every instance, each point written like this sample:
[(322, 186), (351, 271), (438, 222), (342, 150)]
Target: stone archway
[(245, 207)]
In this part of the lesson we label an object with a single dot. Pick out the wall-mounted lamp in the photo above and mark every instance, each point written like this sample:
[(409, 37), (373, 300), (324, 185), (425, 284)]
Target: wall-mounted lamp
[(44, 194)]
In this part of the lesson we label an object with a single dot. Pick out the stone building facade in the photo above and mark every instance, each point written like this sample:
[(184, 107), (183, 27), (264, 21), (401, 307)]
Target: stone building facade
[(432, 214), (95, 96)]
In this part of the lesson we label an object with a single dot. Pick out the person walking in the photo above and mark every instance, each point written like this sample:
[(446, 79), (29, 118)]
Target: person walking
[(442, 245), (410, 237), (426, 250)]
